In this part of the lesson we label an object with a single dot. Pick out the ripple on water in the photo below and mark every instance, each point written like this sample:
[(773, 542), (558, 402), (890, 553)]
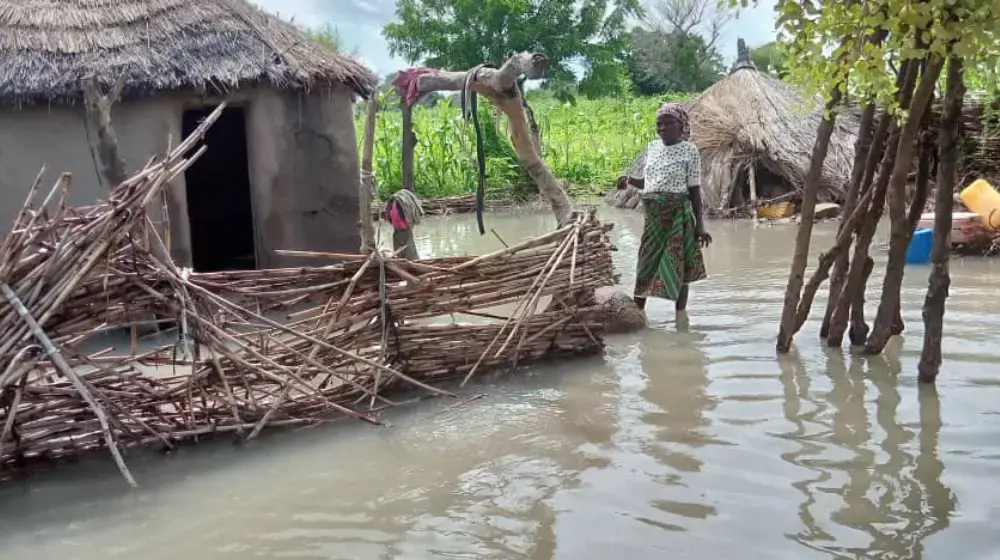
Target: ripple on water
[(693, 444)]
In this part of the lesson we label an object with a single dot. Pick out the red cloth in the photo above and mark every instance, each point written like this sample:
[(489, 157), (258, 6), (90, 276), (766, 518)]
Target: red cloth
[(406, 83), (396, 217)]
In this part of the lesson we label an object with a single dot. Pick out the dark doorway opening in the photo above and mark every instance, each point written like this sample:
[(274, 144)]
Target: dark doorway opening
[(220, 211)]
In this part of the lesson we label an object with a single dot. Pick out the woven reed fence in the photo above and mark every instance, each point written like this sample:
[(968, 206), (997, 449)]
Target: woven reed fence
[(255, 348)]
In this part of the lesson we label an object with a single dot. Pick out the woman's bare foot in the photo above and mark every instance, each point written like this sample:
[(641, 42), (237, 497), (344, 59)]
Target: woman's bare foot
[(683, 321)]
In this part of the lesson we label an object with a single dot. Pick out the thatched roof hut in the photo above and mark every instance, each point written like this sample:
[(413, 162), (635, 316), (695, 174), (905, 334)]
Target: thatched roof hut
[(752, 122), (280, 169)]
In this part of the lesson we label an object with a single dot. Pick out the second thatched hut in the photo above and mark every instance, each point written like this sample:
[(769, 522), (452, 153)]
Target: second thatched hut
[(281, 170), (751, 124)]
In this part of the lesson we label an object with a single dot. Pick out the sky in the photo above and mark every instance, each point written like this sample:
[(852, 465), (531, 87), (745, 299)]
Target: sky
[(359, 23)]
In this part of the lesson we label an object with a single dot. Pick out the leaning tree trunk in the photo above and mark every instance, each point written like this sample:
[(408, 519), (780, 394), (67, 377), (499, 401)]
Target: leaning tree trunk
[(848, 304), (857, 185), (868, 144), (901, 232), (925, 158), (112, 170), (499, 85), (838, 255), (810, 190), (940, 280), (99, 111), (826, 260)]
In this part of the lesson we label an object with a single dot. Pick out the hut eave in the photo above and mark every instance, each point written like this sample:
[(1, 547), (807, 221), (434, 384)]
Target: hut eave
[(213, 46)]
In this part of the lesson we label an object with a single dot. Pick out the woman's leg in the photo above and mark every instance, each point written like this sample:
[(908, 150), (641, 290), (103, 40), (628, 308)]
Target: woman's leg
[(682, 299), (693, 264), (649, 254)]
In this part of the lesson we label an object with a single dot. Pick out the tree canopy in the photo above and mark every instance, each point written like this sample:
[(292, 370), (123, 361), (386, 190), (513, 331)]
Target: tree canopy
[(460, 34), (672, 61), (770, 58), (675, 48), (830, 44)]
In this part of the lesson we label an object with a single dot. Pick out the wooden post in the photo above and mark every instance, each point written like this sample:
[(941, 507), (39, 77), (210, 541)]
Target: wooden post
[(367, 229), (404, 238), (409, 145), (753, 192)]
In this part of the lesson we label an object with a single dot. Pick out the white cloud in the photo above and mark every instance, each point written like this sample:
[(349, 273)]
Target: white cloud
[(359, 23)]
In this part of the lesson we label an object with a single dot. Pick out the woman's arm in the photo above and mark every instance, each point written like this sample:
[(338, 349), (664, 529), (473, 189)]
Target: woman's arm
[(694, 187), (625, 181), (694, 193)]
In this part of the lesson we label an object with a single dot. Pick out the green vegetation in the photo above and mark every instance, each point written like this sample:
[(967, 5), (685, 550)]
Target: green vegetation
[(326, 36), (587, 144), (459, 34), (596, 48)]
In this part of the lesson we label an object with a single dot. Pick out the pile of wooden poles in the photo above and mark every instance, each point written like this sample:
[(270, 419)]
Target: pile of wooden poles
[(255, 348)]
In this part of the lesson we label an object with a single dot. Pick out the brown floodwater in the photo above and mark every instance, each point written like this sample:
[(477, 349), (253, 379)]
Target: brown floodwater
[(696, 443)]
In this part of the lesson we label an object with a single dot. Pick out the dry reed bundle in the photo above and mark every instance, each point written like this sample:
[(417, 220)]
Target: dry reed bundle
[(255, 348)]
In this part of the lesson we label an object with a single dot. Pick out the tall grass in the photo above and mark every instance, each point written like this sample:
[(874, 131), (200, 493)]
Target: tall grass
[(587, 144)]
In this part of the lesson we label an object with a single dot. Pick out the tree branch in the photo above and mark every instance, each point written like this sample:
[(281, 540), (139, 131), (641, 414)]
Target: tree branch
[(500, 87), (490, 81), (99, 109)]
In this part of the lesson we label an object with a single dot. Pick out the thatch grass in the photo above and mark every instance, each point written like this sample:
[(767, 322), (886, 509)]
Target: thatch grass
[(47, 48), (750, 118)]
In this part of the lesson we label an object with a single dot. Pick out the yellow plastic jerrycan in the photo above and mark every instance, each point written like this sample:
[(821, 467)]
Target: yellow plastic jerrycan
[(984, 200)]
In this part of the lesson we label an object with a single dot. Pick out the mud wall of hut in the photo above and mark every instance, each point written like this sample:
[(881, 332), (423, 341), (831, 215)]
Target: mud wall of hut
[(302, 152)]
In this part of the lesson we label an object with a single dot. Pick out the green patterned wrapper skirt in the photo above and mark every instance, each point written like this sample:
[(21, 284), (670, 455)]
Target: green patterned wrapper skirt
[(669, 256)]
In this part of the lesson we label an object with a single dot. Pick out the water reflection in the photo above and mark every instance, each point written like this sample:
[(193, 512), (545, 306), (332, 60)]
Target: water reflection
[(693, 443), (877, 488), (677, 387)]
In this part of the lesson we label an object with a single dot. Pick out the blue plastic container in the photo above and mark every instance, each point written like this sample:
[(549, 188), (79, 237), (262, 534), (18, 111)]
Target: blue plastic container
[(919, 250)]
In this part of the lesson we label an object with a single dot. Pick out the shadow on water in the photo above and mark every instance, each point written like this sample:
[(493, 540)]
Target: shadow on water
[(893, 491)]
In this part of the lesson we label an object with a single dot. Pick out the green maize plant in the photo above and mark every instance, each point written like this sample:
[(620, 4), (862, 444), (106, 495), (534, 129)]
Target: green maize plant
[(587, 144)]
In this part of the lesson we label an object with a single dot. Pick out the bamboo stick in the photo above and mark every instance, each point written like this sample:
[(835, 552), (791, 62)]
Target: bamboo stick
[(285, 347)]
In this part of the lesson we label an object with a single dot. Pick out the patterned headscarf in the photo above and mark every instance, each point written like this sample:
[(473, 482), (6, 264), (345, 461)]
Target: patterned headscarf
[(679, 112)]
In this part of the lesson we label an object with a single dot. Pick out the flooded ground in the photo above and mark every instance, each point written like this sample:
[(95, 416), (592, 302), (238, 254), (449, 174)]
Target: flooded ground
[(695, 444)]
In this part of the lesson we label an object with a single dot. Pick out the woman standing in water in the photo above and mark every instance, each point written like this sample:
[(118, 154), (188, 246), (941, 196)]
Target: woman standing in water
[(670, 256)]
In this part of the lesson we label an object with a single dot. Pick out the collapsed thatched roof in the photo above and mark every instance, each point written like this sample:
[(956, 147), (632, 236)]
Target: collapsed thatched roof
[(752, 118), (48, 46)]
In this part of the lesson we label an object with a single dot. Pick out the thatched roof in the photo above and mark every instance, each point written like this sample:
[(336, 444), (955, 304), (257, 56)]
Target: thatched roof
[(48, 46), (750, 118)]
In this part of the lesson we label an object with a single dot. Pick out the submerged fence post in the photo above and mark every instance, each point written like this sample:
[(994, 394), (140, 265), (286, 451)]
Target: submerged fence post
[(367, 229), (404, 238)]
